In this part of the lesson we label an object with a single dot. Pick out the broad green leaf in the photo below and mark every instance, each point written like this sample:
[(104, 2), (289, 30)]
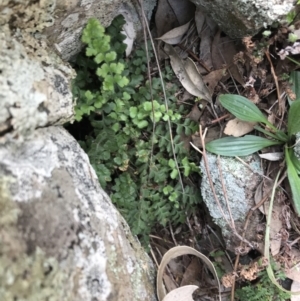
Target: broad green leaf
[(241, 146), (278, 135), (294, 181), (294, 118), (242, 108)]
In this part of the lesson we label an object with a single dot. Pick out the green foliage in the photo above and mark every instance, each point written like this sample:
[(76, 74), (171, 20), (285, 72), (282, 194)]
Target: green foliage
[(245, 110), (133, 159), (263, 290)]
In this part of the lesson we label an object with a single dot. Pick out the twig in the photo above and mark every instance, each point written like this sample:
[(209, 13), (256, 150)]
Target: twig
[(225, 192), (165, 97), (172, 234), (213, 188), (237, 259), (281, 103), (150, 82)]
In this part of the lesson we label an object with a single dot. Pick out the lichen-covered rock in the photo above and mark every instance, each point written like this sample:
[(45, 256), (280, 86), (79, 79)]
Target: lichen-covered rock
[(240, 183), (60, 236), (297, 146), (71, 17), (239, 18), (34, 92)]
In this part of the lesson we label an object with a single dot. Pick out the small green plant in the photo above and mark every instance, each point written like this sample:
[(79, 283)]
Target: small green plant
[(245, 110), (217, 262), (263, 290), (133, 158)]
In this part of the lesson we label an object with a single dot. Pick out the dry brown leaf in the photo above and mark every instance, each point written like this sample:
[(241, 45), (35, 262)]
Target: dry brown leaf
[(276, 156), (169, 283), (211, 80), (212, 134), (294, 271), (223, 52), (206, 34), (174, 36), (171, 254), (165, 18), (238, 128), (199, 19), (188, 75), (184, 10), (195, 113), (192, 273)]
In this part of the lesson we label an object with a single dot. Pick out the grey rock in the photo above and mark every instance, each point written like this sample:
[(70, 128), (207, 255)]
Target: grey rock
[(297, 146), (240, 183), (60, 228), (239, 18), (34, 92), (65, 33)]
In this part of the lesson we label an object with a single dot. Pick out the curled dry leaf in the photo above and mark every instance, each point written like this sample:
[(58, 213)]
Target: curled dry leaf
[(184, 293), (175, 35), (171, 254), (295, 288), (238, 128), (188, 75), (213, 78), (276, 156)]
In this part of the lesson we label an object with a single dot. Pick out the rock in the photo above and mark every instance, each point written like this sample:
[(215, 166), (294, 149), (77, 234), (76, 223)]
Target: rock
[(297, 146), (239, 18), (240, 183), (35, 88), (60, 236), (61, 22)]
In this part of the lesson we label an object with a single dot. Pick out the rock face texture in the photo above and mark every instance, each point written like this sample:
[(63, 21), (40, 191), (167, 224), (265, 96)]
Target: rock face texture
[(60, 236), (236, 192), (61, 22), (239, 18)]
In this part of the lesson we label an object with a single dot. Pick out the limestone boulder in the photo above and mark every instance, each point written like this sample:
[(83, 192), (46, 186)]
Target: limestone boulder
[(60, 236), (235, 184), (239, 18)]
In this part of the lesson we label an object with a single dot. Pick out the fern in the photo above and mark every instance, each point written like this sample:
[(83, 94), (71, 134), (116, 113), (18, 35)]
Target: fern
[(115, 95)]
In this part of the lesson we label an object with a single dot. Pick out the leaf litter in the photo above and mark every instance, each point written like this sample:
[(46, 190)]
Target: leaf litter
[(208, 63)]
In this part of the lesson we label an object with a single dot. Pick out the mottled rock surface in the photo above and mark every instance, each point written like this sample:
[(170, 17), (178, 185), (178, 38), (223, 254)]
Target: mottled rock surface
[(239, 18), (61, 239), (60, 236), (35, 91), (240, 183)]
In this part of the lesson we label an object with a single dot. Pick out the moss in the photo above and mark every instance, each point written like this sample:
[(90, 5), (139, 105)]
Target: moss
[(23, 277)]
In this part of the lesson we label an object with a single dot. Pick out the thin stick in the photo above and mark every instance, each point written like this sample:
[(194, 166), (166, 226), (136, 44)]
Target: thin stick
[(281, 103), (214, 191), (165, 99), (225, 192)]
